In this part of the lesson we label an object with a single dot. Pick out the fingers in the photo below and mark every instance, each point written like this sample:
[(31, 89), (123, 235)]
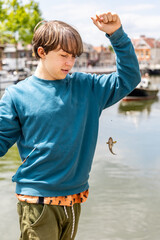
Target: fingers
[(107, 22), (108, 17), (96, 22), (105, 17)]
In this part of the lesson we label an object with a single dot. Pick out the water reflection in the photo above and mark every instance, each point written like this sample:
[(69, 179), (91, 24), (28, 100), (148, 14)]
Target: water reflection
[(9, 163), (130, 107), (137, 111)]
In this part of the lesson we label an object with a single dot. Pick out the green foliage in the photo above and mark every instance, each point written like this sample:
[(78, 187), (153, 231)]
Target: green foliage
[(3, 15), (111, 48), (18, 20), (2, 11)]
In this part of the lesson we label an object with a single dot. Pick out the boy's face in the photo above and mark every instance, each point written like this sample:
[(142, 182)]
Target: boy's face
[(57, 64)]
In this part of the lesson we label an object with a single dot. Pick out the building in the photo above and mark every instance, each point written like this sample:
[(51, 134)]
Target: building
[(147, 50), (16, 58), (106, 56), (21, 57), (89, 57)]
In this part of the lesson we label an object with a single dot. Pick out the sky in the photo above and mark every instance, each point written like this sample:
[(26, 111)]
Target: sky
[(138, 17)]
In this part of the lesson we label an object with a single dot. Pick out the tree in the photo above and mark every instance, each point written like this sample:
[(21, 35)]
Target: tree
[(17, 21), (3, 16)]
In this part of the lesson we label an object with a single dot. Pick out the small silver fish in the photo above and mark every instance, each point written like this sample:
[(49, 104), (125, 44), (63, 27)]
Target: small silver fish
[(110, 144)]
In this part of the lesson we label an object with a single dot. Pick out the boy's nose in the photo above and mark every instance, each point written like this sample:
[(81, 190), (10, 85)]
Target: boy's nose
[(70, 62)]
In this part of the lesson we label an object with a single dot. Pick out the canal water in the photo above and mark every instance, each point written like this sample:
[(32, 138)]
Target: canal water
[(124, 200)]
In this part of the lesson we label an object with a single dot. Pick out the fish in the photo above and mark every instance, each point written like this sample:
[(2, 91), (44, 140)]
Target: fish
[(110, 144)]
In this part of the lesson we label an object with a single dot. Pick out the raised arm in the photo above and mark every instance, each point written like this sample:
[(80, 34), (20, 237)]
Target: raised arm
[(111, 88)]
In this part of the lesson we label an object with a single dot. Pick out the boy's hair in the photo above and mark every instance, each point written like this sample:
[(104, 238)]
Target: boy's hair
[(55, 34)]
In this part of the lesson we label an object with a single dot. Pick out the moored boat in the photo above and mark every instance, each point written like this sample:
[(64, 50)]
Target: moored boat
[(144, 91)]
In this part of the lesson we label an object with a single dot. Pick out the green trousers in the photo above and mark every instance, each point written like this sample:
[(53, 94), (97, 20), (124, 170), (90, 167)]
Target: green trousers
[(48, 222)]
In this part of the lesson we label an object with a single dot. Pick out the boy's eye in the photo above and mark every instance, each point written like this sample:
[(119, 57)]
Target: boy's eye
[(63, 55)]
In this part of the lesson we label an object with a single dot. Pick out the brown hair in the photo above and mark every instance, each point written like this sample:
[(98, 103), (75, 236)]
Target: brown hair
[(56, 35)]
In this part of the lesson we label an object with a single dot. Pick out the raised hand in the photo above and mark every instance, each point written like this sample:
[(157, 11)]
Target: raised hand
[(107, 22)]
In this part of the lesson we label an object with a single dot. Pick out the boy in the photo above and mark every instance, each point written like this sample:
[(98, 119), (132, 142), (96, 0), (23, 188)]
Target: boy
[(53, 116)]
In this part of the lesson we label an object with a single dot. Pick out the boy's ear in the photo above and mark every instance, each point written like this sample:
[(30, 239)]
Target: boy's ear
[(41, 52)]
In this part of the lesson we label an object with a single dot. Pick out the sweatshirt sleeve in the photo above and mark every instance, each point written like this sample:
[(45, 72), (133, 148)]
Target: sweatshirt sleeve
[(111, 88), (9, 123)]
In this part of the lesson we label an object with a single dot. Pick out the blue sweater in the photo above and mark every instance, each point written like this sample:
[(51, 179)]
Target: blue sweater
[(62, 116)]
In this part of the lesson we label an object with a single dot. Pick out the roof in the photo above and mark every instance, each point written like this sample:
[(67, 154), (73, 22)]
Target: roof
[(144, 42)]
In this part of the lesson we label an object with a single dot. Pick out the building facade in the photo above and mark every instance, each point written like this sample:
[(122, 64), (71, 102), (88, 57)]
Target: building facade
[(16, 58), (147, 50)]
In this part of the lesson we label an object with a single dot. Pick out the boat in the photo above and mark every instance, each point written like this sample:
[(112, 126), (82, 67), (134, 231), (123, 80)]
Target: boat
[(143, 91)]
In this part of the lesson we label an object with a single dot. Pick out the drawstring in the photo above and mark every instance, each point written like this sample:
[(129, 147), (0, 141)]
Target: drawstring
[(73, 225), (73, 216), (65, 210)]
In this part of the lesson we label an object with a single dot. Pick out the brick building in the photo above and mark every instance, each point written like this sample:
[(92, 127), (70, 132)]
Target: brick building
[(147, 49)]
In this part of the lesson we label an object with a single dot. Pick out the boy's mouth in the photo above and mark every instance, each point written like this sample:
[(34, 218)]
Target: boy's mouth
[(65, 71)]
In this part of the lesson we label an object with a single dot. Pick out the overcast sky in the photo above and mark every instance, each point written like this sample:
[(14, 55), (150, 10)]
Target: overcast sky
[(137, 16)]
